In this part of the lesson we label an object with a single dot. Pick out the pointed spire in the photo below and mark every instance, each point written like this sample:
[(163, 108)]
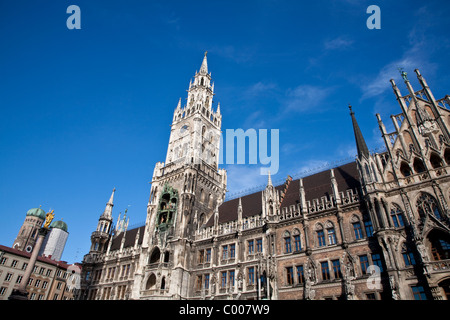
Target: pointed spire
[(111, 200), (108, 210), (179, 104), (269, 179), (360, 143), (204, 67)]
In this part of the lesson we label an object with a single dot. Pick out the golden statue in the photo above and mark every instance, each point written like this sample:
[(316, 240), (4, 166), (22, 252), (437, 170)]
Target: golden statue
[(48, 219)]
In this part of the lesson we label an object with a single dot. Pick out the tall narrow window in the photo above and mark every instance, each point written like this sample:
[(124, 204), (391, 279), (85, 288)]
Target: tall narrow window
[(321, 238), (289, 276), (325, 270), (206, 281), (364, 262), (397, 216), (408, 256), (231, 277), (336, 269), (287, 245), (357, 230), (251, 275), (297, 243), (232, 250), (258, 245), (251, 248), (224, 279), (376, 259), (225, 252), (331, 236), (369, 228), (300, 274), (201, 256)]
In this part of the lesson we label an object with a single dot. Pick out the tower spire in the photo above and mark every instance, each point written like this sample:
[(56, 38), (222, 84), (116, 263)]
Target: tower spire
[(363, 151), (108, 210), (204, 67)]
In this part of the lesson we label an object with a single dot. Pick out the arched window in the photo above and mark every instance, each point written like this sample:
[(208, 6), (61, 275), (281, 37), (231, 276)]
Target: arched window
[(405, 169), (166, 256), (163, 283), (397, 216), (357, 229), (447, 156), (320, 235), (418, 165), (435, 161), (331, 233), (202, 195), (297, 240), (287, 242), (154, 258), (426, 204), (151, 282), (369, 178), (201, 221), (210, 200)]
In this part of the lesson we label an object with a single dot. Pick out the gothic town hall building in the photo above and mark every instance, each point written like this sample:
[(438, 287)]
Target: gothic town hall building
[(375, 228)]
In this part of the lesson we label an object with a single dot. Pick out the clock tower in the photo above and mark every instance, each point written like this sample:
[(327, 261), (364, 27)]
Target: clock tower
[(186, 190)]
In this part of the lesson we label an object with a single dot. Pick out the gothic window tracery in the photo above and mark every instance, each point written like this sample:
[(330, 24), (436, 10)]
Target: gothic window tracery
[(427, 204)]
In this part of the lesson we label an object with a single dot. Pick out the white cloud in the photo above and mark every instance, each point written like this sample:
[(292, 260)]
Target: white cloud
[(258, 89), (244, 177), (338, 43), (305, 97)]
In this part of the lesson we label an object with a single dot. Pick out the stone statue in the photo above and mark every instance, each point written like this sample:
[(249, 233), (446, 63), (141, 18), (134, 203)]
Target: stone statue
[(48, 219), (393, 285), (403, 74)]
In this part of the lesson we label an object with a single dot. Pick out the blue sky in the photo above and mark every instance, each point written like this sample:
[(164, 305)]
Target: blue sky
[(84, 111)]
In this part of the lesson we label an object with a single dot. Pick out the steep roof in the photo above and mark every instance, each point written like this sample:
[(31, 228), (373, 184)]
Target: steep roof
[(130, 237), (316, 186)]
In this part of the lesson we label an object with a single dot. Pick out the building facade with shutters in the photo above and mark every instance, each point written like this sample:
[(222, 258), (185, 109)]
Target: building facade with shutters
[(375, 228)]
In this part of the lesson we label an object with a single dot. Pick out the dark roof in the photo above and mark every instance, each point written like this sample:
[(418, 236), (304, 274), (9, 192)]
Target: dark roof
[(48, 260), (130, 237), (316, 186)]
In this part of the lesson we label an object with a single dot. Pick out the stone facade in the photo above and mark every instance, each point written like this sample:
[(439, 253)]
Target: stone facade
[(50, 279), (375, 228)]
